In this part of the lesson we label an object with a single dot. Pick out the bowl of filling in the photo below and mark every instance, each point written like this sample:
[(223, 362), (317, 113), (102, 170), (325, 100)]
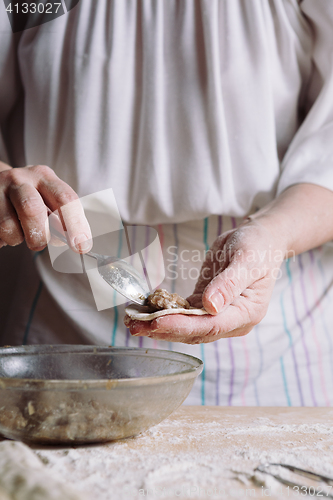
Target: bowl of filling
[(89, 394)]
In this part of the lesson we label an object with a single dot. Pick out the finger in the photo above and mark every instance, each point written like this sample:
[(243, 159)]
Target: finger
[(215, 261), (32, 213), (207, 273), (227, 285), (59, 196), (2, 244), (10, 227), (198, 337), (232, 322), (54, 229), (78, 230)]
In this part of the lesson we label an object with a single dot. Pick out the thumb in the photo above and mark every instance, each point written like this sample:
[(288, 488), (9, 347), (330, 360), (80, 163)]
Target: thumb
[(225, 287)]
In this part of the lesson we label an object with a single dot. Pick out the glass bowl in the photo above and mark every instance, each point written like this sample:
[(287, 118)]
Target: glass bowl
[(88, 394)]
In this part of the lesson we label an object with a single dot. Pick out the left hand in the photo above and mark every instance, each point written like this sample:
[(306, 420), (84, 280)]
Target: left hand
[(235, 286)]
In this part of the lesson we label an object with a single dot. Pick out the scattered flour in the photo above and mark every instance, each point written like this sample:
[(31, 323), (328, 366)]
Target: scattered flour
[(180, 458), (24, 477)]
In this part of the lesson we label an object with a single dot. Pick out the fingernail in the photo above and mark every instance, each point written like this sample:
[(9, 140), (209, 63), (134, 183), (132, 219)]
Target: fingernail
[(82, 243), (217, 301)]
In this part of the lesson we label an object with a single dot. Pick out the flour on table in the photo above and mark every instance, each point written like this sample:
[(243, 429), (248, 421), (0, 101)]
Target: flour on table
[(24, 477), (170, 457)]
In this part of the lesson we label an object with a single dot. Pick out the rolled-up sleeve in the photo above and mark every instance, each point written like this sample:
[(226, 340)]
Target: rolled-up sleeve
[(10, 86), (309, 157)]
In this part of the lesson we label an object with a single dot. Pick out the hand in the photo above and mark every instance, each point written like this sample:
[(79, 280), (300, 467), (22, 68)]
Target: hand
[(25, 196), (235, 286)]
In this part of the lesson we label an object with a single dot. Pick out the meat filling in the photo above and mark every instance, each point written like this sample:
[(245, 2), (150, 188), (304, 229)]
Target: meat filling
[(161, 299)]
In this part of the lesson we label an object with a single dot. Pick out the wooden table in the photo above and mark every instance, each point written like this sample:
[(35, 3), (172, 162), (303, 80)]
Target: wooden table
[(201, 452)]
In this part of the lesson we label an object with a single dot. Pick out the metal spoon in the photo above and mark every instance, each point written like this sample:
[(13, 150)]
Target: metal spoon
[(123, 277), (302, 472)]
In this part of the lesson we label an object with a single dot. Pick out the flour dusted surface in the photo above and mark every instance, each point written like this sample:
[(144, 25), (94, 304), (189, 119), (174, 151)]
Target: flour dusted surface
[(198, 449)]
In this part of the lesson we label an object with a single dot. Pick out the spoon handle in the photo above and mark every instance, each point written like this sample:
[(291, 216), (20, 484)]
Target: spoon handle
[(56, 233)]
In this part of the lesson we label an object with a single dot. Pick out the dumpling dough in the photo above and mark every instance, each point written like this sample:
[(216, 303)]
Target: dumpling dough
[(142, 313)]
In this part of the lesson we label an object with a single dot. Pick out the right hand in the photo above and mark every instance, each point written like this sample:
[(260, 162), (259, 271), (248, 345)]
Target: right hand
[(26, 194)]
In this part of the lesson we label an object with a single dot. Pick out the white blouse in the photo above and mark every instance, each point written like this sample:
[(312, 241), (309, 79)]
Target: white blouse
[(186, 109)]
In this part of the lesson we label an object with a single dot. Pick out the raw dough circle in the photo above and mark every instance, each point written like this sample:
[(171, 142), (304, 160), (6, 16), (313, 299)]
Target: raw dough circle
[(141, 312)]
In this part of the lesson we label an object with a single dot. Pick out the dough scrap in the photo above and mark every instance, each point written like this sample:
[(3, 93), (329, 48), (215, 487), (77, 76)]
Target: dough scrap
[(142, 313)]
